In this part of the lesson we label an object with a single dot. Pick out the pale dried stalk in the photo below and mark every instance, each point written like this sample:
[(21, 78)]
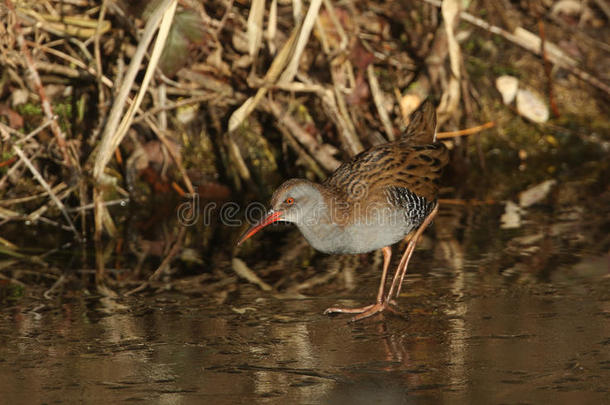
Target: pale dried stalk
[(114, 132), (284, 66), (238, 159), (58, 188), (337, 108), (98, 59), (164, 266), (378, 100), (276, 68), (338, 26), (271, 27), (465, 132), (450, 98), (254, 26), (243, 271), (308, 23)]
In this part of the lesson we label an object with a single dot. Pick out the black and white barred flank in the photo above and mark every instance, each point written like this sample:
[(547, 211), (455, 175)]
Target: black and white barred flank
[(416, 208)]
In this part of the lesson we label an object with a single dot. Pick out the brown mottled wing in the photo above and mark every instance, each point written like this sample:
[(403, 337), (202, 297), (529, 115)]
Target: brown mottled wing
[(422, 169), (417, 168), (422, 125)]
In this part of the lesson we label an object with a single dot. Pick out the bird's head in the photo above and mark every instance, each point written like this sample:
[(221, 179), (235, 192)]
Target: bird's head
[(297, 200)]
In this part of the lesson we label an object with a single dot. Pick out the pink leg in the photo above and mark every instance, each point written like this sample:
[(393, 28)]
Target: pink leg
[(372, 309), (404, 261)]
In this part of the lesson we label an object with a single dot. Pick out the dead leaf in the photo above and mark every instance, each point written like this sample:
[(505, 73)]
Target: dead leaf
[(15, 120), (531, 106), (360, 56), (507, 86)]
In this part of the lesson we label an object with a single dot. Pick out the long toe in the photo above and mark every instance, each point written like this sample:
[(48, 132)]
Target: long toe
[(363, 312), (338, 310), (373, 310)]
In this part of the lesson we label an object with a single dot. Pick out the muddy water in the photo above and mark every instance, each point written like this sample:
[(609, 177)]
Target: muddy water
[(464, 338)]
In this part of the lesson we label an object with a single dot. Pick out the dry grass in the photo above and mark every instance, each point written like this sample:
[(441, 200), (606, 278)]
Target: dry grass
[(91, 97)]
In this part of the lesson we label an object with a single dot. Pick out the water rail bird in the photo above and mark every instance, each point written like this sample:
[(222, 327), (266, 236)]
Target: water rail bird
[(371, 202)]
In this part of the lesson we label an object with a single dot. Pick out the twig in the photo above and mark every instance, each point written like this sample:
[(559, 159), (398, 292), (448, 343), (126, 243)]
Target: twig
[(172, 152), (7, 215), (547, 68), (164, 264), (7, 243), (48, 189), (58, 188), (467, 131), (33, 216), (78, 63), (330, 9), (170, 255), (243, 271), (8, 162), (35, 132), (98, 59), (305, 31), (224, 18), (56, 224), (58, 282), (12, 280), (318, 152), (106, 203), (337, 109), (309, 161), (277, 66), (237, 158), (316, 280)]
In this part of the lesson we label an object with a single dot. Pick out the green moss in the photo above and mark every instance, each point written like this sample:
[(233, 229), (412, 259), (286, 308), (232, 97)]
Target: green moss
[(259, 156), (33, 113), (29, 109)]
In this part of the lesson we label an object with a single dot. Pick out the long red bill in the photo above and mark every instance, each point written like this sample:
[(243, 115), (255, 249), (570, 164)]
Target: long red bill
[(270, 218)]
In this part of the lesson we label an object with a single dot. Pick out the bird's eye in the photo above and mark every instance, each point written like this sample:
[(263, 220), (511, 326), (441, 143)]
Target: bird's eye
[(289, 201)]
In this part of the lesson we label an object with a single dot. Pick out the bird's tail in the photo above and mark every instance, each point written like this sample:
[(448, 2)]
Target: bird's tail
[(422, 125)]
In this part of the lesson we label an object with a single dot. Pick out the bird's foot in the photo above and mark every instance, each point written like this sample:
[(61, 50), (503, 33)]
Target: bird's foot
[(363, 312)]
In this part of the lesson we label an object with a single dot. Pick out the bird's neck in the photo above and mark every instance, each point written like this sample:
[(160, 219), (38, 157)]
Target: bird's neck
[(320, 225), (325, 236)]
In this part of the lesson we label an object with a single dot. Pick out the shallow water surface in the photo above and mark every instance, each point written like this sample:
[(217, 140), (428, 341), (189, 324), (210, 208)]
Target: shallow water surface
[(505, 302), (462, 340)]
